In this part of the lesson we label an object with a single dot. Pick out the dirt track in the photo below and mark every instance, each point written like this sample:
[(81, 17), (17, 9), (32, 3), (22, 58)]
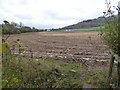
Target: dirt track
[(79, 45)]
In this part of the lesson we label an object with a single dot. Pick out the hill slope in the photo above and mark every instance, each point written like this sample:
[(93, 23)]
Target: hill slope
[(87, 23)]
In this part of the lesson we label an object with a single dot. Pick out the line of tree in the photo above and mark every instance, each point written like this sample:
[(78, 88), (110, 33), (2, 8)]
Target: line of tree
[(16, 28)]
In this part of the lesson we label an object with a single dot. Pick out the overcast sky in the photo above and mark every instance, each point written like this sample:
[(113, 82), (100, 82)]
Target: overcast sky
[(51, 13)]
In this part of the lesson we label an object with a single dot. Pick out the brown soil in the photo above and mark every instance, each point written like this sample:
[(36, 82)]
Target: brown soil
[(73, 47)]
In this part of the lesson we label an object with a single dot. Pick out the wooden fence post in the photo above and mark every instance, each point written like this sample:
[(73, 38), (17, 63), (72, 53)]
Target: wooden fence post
[(111, 68)]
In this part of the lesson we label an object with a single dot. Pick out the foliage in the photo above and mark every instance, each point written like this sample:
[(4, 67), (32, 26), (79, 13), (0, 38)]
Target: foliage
[(7, 28), (97, 22), (110, 34), (26, 72), (6, 47), (14, 28)]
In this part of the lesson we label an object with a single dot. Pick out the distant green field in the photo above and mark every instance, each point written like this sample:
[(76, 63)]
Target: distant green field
[(87, 29), (0, 29)]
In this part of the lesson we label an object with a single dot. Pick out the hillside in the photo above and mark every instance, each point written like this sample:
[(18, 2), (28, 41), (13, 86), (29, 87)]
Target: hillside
[(96, 22), (87, 23)]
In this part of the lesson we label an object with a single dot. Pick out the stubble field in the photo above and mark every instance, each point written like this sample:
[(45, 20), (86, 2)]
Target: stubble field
[(84, 47)]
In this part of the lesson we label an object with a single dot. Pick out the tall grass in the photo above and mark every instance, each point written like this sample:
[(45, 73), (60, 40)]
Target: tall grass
[(25, 72)]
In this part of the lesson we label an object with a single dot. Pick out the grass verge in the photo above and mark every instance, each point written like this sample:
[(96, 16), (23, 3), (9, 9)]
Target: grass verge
[(25, 72)]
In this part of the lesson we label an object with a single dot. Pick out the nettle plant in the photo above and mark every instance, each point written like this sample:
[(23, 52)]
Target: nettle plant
[(6, 47)]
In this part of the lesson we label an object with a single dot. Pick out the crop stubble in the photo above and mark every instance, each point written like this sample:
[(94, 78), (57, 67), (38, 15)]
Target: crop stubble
[(71, 46)]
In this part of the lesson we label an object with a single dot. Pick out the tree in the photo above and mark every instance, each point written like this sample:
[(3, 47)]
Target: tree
[(119, 44), (111, 35), (21, 24), (14, 24)]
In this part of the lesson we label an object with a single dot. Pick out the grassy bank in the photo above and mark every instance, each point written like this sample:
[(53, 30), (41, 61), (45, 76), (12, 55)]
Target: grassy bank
[(25, 72)]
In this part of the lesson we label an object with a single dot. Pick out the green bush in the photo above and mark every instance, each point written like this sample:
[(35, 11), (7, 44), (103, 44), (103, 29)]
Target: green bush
[(111, 34), (17, 32)]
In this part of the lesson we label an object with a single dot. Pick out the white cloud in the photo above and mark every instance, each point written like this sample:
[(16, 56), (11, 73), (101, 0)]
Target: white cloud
[(51, 13)]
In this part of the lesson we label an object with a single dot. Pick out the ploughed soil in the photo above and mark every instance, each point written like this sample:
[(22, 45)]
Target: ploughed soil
[(81, 47)]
